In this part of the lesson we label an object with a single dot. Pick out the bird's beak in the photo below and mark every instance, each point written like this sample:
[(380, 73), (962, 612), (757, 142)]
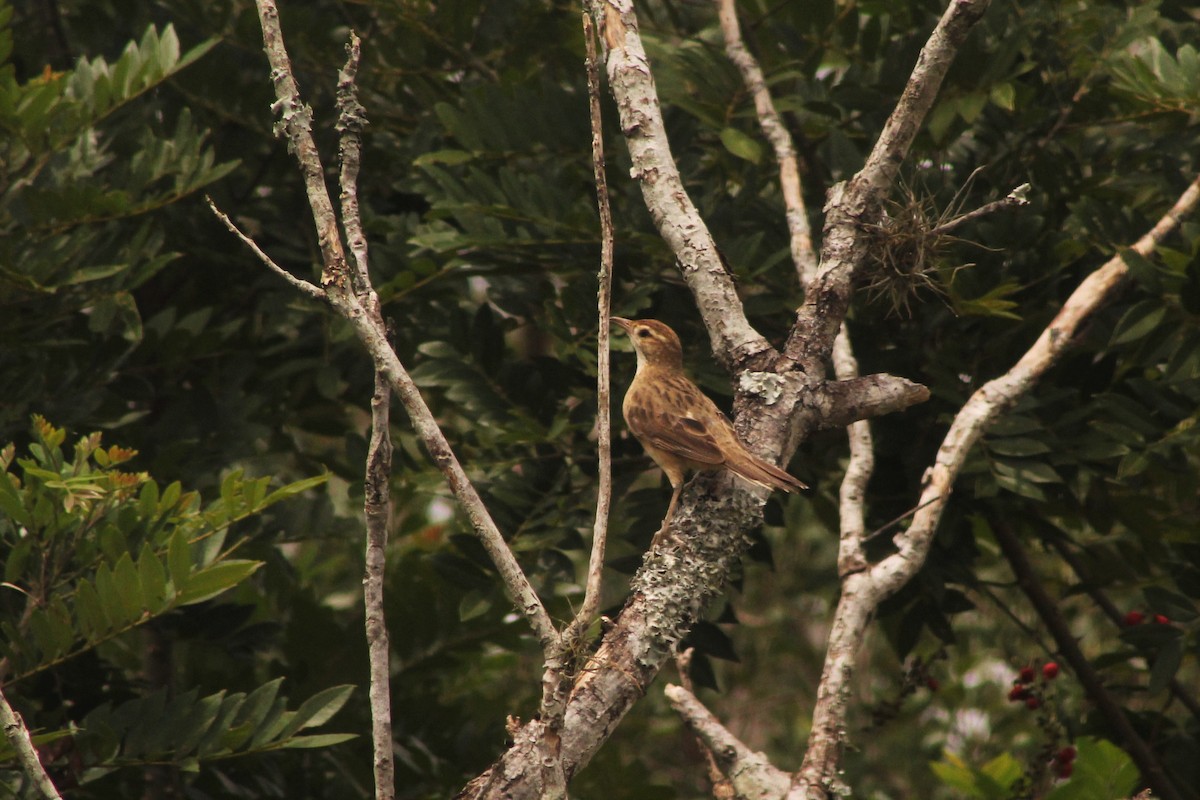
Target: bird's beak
[(624, 323)]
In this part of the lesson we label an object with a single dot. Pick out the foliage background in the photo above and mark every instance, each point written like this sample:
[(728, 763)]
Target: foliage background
[(125, 308)]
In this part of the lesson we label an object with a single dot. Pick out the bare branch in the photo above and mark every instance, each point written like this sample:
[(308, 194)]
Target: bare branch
[(304, 286), (733, 339), (18, 737), (862, 459), (999, 394), (368, 325), (891, 148), (750, 772), (803, 255), (852, 495), (591, 599), (351, 122), (863, 591), (1015, 199), (841, 403), (376, 505), (722, 787), (859, 202), (295, 120)]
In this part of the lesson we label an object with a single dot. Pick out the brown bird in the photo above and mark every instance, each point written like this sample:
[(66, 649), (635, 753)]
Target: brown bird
[(679, 427)]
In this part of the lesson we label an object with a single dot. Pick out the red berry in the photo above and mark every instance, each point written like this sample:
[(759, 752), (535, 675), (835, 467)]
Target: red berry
[(1066, 755), (1065, 770), (1162, 619), (1134, 618), (1027, 674), (1050, 670), (1032, 703), (1018, 692), (933, 684)]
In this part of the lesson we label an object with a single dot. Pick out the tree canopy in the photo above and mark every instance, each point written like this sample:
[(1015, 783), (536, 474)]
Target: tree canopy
[(182, 594)]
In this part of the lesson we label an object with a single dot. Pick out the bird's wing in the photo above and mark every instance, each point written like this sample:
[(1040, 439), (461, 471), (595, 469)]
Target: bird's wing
[(681, 429)]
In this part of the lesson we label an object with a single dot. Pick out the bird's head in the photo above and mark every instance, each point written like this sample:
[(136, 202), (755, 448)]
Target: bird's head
[(655, 343)]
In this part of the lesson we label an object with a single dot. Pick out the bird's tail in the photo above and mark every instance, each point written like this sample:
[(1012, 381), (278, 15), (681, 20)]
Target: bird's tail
[(755, 470)]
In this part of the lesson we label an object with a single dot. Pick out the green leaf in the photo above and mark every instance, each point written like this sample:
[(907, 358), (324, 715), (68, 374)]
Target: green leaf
[(213, 580), (1165, 666), (318, 740), (1139, 321), (110, 597), (10, 502), (129, 588), (1019, 447), (293, 489), (317, 709), (153, 579), (90, 610), (258, 704), (741, 145), (1102, 771), (179, 559)]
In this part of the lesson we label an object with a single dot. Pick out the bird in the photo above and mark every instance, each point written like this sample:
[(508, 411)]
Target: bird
[(677, 424)]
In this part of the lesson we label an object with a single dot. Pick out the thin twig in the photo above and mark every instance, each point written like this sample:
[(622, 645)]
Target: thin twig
[(750, 773), (376, 504), (364, 317), (591, 598), (722, 787), (378, 478), (1015, 199), (304, 286), (803, 255), (18, 737), (1047, 608), (352, 120)]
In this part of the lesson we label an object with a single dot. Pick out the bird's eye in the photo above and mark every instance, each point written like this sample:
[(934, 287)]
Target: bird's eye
[(643, 332)]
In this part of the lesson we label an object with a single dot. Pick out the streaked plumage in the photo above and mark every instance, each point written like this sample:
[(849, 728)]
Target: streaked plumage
[(679, 427)]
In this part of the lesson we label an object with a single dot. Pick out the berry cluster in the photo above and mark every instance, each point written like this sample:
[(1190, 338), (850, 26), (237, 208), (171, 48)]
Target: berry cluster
[(1054, 759), (1026, 690), (1064, 762), (1138, 617)]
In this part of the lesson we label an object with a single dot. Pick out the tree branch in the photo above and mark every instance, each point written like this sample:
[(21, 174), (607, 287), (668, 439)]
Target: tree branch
[(591, 599), (800, 233), (750, 772), (862, 592), (734, 341), (304, 286), (18, 736), (364, 317), (377, 491), (837, 404), (853, 207)]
